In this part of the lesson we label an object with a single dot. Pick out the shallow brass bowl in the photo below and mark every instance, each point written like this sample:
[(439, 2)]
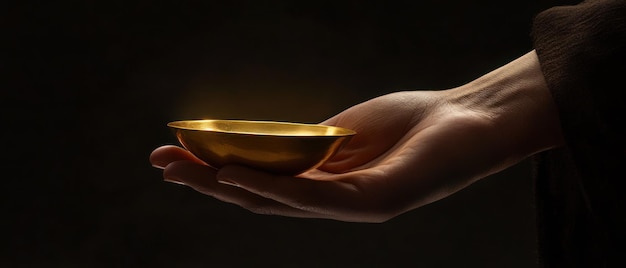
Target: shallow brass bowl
[(277, 147)]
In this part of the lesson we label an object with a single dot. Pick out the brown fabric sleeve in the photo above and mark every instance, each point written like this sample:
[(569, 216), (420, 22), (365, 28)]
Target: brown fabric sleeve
[(582, 53), (581, 188)]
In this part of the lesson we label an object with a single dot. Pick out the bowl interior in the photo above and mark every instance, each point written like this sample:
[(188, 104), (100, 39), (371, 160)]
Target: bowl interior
[(261, 128)]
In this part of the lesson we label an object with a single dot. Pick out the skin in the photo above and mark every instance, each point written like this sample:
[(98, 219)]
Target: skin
[(412, 148)]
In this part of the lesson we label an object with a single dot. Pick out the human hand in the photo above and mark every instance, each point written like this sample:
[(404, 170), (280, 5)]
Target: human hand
[(411, 148)]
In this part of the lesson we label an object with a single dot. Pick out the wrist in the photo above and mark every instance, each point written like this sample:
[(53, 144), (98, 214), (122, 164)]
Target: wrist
[(516, 101)]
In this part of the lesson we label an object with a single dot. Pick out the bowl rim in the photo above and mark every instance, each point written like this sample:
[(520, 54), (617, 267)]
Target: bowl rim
[(344, 132)]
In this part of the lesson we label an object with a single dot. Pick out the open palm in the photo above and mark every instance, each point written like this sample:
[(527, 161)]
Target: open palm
[(408, 151)]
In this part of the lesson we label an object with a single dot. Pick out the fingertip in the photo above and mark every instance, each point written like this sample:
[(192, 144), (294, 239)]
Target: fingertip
[(157, 155), (176, 168), (164, 155), (158, 166), (170, 173), (189, 173), (164, 148)]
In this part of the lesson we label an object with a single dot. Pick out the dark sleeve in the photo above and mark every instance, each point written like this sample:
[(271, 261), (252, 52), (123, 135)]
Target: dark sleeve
[(581, 189), (582, 53)]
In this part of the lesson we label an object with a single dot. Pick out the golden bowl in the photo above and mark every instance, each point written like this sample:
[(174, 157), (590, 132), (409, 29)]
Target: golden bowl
[(276, 147)]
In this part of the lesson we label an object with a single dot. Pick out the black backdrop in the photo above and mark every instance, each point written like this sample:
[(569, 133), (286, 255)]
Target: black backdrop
[(90, 85)]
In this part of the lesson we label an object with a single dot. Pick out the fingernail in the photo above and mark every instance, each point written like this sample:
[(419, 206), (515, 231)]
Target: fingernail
[(228, 182), (172, 180), (157, 166)]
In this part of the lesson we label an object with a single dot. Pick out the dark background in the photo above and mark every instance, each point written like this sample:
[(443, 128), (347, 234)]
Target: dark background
[(88, 87)]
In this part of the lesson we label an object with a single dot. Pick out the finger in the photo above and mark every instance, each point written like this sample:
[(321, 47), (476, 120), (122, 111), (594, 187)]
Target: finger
[(324, 197), (202, 179), (164, 155)]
